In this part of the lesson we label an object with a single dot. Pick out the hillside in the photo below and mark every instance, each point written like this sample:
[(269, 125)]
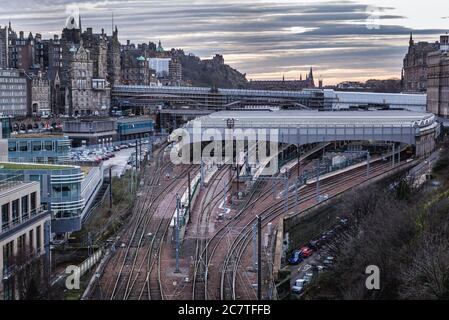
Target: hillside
[(211, 72)]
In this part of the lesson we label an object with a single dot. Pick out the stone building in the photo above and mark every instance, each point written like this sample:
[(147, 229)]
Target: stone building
[(21, 52), (54, 56), (288, 85), (414, 77), (84, 94), (40, 95), (114, 71), (4, 51), (97, 45), (438, 79), (175, 71), (135, 68)]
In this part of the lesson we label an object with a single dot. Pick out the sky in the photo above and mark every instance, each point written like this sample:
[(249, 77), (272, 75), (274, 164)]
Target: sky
[(343, 40)]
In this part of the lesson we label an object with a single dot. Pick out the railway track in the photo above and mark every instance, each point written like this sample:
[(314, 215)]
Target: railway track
[(144, 236), (208, 203), (230, 272)]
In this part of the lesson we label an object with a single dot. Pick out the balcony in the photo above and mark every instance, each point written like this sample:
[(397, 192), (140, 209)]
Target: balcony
[(18, 222)]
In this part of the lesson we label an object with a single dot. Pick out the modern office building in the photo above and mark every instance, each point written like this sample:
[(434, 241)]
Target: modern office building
[(134, 128), (13, 93), (39, 148), (88, 132), (60, 191), (24, 235)]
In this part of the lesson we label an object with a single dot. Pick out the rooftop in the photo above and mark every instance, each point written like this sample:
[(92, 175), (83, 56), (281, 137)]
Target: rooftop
[(37, 135), (308, 117), (33, 166)]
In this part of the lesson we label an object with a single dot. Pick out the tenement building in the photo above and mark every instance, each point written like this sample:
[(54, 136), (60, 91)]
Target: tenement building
[(40, 95), (415, 65), (85, 95), (135, 68), (438, 79), (113, 59)]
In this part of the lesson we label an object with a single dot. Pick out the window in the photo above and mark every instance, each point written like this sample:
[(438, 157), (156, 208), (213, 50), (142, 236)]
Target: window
[(8, 253), (21, 245), (5, 214), (15, 210), (35, 177), (38, 238), (48, 145), (37, 146), (25, 206), (33, 199), (31, 237), (23, 146), (12, 146)]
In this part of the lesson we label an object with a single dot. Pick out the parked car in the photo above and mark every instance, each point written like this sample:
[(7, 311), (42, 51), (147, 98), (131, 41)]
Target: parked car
[(295, 257), (298, 287), (324, 239), (328, 260), (314, 244), (308, 277), (306, 252)]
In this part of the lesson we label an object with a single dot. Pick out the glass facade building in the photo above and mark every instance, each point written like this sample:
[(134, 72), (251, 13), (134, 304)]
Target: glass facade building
[(39, 149), (60, 191)]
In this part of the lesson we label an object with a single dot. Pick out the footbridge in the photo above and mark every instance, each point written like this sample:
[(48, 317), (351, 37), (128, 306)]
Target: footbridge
[(302, 127)]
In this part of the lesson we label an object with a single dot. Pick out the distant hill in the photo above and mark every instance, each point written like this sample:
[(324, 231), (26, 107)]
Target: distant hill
[(211, 72), (372, 85)]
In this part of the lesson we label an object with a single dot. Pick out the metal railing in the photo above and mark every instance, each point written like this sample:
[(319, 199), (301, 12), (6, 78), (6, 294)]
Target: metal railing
[(17, 221), (11, 182)]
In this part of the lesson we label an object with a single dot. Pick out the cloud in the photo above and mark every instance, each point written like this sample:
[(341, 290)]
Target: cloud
[(261, 38)]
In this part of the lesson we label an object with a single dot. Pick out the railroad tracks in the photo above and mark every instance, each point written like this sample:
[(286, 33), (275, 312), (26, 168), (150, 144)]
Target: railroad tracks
[(231, 272), (137, 266), (208, 203)]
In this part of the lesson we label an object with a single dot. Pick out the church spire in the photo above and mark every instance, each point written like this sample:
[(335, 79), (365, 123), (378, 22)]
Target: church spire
[(411, 42)]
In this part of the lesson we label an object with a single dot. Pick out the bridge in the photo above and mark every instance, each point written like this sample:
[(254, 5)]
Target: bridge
[(302, 127), (215, 99)]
